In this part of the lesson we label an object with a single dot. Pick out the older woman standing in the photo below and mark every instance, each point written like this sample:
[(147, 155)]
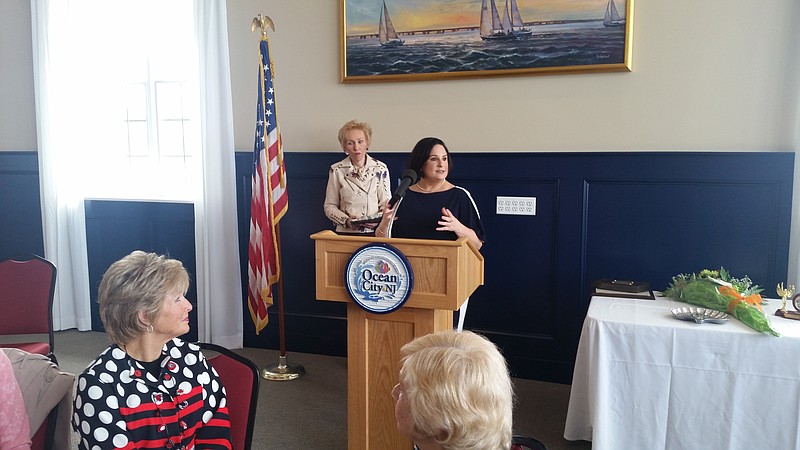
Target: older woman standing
[(358, 186), (454, 393), (434, 208), (149, 389)]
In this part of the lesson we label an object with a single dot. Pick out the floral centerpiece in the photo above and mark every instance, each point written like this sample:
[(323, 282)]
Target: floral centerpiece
[(719, 291)]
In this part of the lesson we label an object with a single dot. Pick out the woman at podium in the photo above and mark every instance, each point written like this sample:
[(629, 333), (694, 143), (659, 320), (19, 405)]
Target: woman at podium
[(433, 208), (358, 186)]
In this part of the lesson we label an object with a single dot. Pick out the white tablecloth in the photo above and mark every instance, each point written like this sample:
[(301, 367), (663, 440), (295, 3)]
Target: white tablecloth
[(645, 380)]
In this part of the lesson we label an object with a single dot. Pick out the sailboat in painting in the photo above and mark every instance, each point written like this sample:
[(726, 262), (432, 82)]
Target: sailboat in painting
[(492, 28), (612, 18), (517, 25), (386, 33)]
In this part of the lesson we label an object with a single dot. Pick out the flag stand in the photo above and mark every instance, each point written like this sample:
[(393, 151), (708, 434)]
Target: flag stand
[(282, 371)]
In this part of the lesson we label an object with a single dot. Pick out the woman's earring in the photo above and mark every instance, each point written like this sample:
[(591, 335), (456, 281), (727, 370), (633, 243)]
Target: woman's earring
[(149, 328)]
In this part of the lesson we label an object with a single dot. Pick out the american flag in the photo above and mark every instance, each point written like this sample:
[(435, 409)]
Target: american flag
[(270, 199)]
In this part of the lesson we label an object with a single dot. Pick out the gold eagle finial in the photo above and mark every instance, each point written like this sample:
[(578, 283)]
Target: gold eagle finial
[(262, 22)]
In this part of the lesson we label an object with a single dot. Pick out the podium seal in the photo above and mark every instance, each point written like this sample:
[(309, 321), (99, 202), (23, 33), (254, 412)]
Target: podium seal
[(379, 278)]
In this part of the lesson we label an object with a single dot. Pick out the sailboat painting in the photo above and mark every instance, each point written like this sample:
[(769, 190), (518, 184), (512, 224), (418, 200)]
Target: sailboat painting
[(518, 26), (386, 33), (413, 40), (510, 27), (612, 19), (492, 28)]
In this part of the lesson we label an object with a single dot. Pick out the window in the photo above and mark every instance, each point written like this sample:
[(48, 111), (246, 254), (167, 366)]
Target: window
[(160, 124), (147, 113)]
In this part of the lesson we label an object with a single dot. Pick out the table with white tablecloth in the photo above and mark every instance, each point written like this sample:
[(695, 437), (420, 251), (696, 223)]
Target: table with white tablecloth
[(645, 380)]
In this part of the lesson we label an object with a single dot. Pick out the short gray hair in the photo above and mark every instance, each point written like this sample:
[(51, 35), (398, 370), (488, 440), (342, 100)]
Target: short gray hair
[(137, 283)]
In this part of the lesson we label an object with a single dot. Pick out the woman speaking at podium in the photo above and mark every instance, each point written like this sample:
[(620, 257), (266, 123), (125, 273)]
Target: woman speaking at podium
[(433, 208)]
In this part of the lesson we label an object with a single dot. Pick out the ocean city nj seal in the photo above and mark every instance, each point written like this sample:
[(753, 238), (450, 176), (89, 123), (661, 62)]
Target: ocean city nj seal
[(379, 278)]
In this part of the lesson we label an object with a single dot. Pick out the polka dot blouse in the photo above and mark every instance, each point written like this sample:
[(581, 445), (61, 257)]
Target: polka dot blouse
[(120, 404)]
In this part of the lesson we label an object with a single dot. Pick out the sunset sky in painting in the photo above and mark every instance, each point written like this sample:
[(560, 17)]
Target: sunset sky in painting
[(362, 15)]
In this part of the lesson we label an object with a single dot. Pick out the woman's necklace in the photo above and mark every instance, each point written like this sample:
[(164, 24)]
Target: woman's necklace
[(431, 189), (358, 171), (172, 442), (358, 165)]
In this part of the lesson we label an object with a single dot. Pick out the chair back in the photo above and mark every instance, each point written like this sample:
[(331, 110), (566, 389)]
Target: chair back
[(45, 435), (240, 377), (27, 288), (526, 443)]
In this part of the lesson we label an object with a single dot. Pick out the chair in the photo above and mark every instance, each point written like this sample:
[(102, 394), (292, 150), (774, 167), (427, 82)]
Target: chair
[(240, 377), (526, 443), (43, 437), (26, 298)]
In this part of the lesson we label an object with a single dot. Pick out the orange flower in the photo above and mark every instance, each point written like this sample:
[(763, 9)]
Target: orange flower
[(733, 294), (729, 292), (754, 300)]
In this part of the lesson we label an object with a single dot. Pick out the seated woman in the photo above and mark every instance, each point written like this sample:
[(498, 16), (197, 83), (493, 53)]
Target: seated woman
[(149, 389), (454, 393), (433, 208), (14, 427), (358, 186)]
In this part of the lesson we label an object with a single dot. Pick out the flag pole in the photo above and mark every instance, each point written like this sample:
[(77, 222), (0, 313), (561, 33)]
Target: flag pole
[(281, 371)]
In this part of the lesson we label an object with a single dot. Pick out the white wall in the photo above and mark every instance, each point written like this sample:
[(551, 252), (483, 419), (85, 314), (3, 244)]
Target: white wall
[(17, 116), (707, 75)]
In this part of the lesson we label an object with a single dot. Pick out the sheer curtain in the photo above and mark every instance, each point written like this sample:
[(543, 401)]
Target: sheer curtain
[(216, 230), (77, 67), (62, 202), (794, 239)]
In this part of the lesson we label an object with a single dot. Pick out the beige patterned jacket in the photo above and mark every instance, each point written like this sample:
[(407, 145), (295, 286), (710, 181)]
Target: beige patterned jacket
[(356, 193)]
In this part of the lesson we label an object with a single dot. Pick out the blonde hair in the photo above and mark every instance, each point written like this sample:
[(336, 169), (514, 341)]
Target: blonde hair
[(355, 125), (459, 390), (137, 282)]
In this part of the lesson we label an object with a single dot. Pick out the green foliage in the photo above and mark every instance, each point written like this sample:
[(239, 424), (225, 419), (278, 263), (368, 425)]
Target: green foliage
[(703, 290), (744, 285)]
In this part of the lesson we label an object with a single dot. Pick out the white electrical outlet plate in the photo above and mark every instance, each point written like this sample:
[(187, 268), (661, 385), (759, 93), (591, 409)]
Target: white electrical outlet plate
[(520, 206)]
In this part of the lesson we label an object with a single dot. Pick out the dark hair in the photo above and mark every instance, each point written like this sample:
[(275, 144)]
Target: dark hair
[(422, 151)]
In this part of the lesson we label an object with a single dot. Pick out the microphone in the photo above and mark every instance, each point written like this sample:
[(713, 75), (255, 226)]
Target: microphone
[(409, 178)]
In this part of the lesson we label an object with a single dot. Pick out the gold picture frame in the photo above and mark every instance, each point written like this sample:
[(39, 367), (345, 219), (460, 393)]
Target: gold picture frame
[(409, 40)]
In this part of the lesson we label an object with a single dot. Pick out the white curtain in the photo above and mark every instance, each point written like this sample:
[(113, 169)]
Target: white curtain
[(75, 125), (219, 291), (794, 235), (62, 205), (794, 239)]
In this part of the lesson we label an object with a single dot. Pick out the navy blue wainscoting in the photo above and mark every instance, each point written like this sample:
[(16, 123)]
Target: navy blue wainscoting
[(20, 208), (643, 216), (115, 228)]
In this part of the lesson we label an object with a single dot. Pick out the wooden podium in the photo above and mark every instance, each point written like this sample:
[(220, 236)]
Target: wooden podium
[(445, 274)]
